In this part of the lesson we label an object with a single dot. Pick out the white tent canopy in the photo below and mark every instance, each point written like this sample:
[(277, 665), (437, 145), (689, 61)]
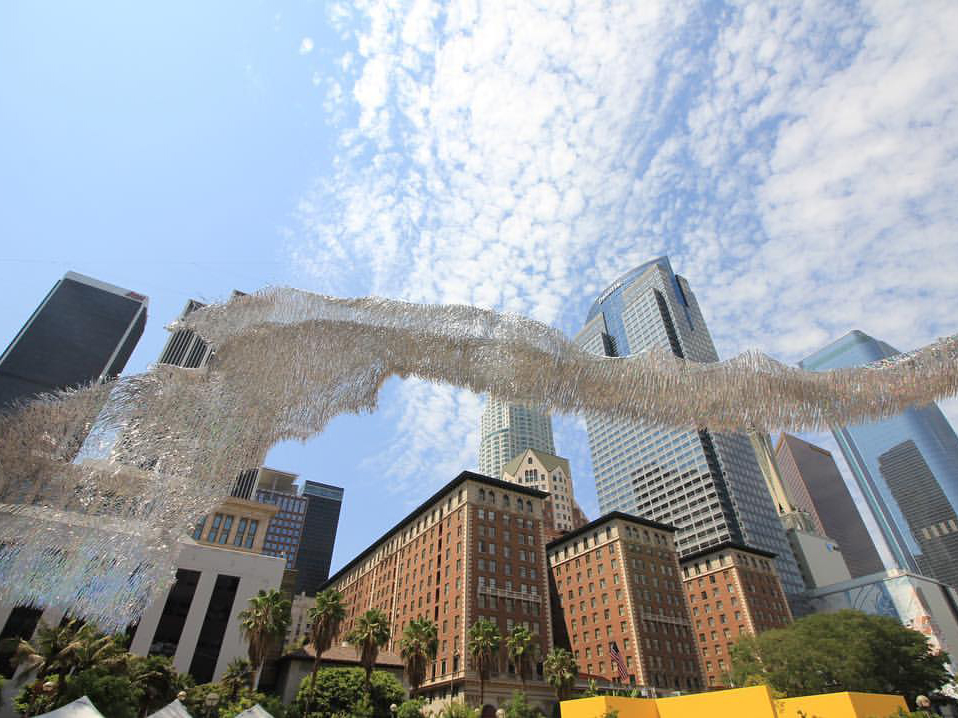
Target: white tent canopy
[(256, 711), (171, 710), (80, 708)]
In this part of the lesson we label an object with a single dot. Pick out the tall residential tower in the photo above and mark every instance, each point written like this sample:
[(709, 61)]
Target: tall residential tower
[(506, 430), (906, 467), (709, 485)]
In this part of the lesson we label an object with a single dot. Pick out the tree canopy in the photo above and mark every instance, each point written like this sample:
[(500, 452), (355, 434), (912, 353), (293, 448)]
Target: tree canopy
[(342, 691), (843, 651)]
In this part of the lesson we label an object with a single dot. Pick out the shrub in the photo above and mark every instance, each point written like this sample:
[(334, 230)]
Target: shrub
[(342, 690)]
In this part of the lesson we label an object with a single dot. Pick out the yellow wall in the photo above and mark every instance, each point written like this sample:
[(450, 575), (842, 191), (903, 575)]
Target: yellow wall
[(595, 707), (841, 705), (753, 702)]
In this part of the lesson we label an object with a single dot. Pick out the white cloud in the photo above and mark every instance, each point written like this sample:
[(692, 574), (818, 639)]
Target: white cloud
[(798, 162), (306, 46)]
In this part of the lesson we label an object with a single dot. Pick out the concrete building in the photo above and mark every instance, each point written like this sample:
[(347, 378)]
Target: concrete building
[(474, 549), (814, 485), (819, 558), (919, 602), (551, 474), (299, 623), (506, 430), (915, 536), (619, 588), (732, 590), (195, 621), (83, 331), (707, 484)]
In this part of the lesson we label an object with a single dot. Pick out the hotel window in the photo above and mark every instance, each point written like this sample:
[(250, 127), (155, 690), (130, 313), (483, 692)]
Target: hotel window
[(251, 534), (198, 531), (240, 532), (214, 528), (225, 533)]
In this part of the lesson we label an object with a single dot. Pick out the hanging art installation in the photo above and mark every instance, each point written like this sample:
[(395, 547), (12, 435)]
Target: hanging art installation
[(98, 485)]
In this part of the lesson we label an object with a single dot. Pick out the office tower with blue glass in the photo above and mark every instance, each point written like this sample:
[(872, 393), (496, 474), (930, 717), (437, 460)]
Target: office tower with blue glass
[(707, 484), (906, 467), (83, 331)]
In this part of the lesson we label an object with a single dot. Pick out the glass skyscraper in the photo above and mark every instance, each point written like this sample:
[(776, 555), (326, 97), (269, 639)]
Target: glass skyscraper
[(707, 484), (506, 430), (906, 467)]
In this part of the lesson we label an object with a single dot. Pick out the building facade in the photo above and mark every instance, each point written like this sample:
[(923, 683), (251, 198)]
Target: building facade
[(474, 549), (551, 474), (506, 430), (619, 589), (707, 484), (815, 485), (315, 555), (933, 442), (83, 331), (732, 590)]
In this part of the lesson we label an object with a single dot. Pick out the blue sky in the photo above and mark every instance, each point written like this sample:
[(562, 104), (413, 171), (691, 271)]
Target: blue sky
[(799, 165)]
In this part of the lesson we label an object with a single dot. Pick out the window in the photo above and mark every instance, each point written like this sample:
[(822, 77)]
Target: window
[(225, 533), (251, 534), (214, 528), (240, 532)]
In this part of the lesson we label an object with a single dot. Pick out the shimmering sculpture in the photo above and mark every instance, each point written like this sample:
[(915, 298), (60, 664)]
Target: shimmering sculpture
[(96, 533)]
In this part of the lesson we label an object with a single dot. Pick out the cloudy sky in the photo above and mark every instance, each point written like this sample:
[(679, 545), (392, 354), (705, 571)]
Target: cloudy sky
[(799, 166)]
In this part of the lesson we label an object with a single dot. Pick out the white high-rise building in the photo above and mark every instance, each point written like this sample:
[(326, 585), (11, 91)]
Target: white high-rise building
[(508, 429)]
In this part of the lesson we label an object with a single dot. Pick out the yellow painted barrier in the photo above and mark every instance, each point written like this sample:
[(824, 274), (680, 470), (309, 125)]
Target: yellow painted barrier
[(752, 702), (841, 705)]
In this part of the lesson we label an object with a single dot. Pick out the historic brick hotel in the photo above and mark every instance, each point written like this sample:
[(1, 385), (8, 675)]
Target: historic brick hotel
[(614, 592), (474, 549)]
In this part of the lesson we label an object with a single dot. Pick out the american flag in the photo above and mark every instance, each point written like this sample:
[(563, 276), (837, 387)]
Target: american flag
[(619, 662)]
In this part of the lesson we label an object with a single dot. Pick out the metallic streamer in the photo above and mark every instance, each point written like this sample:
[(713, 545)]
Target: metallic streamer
[(98, 485)]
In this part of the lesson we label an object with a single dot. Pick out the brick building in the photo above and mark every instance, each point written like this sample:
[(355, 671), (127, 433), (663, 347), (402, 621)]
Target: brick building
[(617, 581), (474, 549), (732, 590)]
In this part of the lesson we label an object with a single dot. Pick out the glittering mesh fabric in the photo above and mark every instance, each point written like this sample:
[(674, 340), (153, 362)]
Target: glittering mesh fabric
[(99, 485)]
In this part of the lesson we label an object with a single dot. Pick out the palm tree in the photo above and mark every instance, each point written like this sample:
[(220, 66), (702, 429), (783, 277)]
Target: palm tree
[(237, 675), (324, 618), (370, 633), (94, 649), (522, 648), (262, 625), (484, 641), (561, 671), (419, 646), (51, 652)]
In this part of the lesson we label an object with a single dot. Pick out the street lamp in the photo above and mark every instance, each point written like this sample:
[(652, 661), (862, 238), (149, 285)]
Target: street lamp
[(212, 700), (501, 713), (48, 687), (393, 708), (181, 696)]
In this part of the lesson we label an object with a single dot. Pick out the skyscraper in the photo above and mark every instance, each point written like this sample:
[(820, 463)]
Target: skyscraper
[(84, 330), (886, 458), (315, 554), (815, 485), (709, 485), (507, 430)]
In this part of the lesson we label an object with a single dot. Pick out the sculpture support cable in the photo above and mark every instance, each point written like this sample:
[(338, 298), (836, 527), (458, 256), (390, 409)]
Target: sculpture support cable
[(96, 534)]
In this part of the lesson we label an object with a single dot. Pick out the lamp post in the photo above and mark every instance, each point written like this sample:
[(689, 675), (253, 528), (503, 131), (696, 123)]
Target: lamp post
[(181, 696), (211, 701), (393, 708)]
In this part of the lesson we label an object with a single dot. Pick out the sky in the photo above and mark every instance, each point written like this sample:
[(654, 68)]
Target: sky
[(798, 164)]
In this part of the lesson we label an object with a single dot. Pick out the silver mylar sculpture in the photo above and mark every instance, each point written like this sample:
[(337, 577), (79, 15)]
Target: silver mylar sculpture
[(96, 532)]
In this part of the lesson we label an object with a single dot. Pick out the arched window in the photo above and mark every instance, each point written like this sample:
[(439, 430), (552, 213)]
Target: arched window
[(529, 506), (482, 494)]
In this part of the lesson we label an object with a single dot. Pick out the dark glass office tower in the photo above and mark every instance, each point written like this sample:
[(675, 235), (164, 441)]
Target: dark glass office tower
[(709, 485), (814, 484), (83, 331), (889, 458), (319, 535)]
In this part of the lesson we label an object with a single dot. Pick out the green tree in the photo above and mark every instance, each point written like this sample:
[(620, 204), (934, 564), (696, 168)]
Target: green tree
[(112, 692), (458, 710), (263, 624), (237, 676), (560, 670), (51, 651), (156, 679), (419, 646), (370, 633), (325, 618), (411, 708), (843, 651), (518, 707), (93, 649), (484, 641), (343, 691), (523, 652)]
